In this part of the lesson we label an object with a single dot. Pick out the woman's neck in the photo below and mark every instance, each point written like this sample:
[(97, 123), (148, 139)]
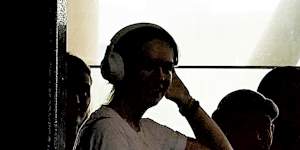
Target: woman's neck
[(128, 110)]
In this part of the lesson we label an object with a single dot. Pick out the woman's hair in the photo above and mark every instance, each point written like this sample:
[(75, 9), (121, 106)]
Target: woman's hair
[(75, 67), (129, 46), (282, 85)]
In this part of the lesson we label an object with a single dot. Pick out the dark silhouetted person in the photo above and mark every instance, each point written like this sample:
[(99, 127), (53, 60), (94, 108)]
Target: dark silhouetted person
[(282, 85), (139, 63), (246, 118), (77, 83)]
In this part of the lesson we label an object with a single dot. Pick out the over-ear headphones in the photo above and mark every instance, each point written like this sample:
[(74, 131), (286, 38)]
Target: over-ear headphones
[(112, 65)]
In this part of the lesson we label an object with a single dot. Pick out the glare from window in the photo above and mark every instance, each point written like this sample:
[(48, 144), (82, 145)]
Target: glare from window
[(243, 6), (208, 32)]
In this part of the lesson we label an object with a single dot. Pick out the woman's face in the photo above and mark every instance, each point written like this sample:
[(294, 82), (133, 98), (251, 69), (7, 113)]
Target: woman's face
[(153, 73), (79, 97)]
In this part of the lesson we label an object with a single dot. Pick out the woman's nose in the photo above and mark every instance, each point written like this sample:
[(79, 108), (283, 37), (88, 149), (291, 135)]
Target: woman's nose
[(161, 74)]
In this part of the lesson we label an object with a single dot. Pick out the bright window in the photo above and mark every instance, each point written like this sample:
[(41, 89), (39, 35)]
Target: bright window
[(208, 33)]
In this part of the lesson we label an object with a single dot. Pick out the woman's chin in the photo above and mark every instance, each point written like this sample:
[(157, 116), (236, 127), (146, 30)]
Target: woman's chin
[(154, 101)]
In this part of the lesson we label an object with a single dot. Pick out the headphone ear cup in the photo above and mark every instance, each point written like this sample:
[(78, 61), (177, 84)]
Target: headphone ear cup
[(112, 66)]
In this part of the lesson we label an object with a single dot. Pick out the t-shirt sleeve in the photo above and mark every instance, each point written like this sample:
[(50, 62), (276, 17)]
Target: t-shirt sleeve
[(163, 136), (101, 136)]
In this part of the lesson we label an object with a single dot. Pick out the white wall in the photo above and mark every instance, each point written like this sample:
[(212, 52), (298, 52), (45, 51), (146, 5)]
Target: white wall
[(83, 28)]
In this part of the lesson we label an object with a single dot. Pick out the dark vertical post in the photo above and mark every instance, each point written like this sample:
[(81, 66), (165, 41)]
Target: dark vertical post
[(57, 49)]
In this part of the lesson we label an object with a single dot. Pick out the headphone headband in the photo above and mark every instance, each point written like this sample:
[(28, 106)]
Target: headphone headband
[(130, 28)]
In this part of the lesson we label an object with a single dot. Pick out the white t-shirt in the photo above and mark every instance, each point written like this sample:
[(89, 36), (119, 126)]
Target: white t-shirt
[(106, 130)]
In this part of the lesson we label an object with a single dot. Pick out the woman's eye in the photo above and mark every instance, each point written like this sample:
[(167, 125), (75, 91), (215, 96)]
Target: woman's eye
[(149, 66), (167, 67)]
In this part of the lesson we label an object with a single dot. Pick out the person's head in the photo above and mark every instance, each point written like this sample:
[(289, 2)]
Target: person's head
[(77, 83), (282, 85), (246, 118), (139, 62)]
